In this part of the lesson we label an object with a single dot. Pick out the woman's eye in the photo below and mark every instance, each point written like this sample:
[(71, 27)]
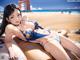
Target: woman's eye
[(12, 17)]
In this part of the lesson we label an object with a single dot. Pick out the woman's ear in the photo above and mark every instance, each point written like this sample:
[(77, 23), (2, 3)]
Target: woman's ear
[(7, 19)]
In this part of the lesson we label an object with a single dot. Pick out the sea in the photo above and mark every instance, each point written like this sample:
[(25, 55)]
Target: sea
[(67, 11)]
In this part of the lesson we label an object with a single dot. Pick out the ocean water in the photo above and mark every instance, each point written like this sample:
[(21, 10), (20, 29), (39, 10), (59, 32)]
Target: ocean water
[(66, 11)]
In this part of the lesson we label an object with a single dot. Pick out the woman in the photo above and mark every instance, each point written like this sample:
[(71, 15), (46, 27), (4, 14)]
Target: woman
[(14, 26)]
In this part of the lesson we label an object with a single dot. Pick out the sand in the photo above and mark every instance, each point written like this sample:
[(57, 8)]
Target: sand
[(56, 20)]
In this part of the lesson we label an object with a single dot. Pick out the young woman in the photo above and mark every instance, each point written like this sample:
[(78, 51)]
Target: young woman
[(14, 26)]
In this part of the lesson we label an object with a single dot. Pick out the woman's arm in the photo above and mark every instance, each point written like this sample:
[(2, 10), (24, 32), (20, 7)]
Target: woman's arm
[(12, 47), (8, 42), (15, 31), (8, 37)]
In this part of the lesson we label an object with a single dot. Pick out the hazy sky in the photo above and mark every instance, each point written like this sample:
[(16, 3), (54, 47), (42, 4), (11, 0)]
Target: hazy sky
[(46, 4), (54, 4)]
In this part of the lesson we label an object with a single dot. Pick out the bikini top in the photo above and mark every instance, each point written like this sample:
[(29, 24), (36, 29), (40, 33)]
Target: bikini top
[(29, 33), (32, 35)]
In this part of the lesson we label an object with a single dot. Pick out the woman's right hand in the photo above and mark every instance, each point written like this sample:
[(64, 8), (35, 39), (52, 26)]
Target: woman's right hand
[(13, 55)]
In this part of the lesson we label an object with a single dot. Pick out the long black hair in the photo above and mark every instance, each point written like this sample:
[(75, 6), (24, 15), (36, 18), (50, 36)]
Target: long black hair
[(8, 10)]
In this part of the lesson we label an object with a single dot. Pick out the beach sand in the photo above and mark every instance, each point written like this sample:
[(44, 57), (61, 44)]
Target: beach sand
[(56, 21)]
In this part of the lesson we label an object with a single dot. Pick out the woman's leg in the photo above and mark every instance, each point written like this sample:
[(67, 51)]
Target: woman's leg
[(68, 44), (33, 51), (54, 48)]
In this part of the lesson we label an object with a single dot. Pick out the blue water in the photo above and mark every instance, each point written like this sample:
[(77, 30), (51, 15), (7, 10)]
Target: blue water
[(57, 10)]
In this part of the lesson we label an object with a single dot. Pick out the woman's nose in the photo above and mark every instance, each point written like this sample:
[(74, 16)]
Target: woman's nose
[(17, 18)]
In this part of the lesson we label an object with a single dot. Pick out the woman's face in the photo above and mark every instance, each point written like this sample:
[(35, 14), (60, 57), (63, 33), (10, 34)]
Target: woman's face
[(15, 18)]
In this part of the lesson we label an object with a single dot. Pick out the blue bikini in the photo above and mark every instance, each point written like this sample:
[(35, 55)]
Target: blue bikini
[(35, 35)]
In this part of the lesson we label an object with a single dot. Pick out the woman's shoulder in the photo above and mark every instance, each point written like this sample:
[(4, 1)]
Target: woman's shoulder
[(10, 27)]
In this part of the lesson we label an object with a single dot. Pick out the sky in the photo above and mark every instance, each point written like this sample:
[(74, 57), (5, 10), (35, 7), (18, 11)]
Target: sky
[(45, 4), (54, 4)]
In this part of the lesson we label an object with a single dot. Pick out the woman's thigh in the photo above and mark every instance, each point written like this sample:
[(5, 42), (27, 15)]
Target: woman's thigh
[(55, 49), (68, 44), (34, 51)]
